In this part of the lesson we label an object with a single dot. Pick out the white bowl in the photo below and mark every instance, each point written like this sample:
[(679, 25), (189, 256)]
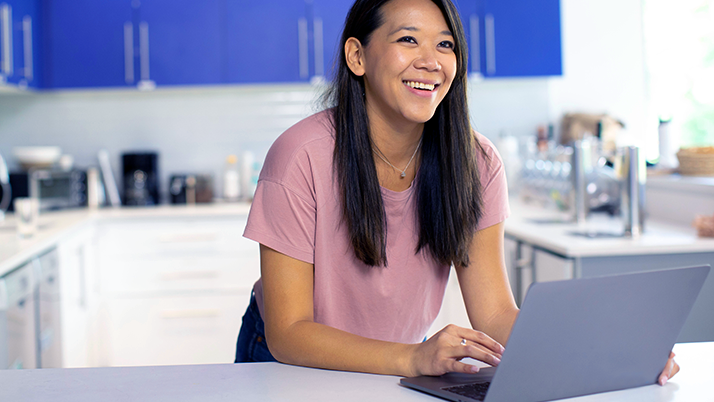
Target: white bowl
[(36, 157)]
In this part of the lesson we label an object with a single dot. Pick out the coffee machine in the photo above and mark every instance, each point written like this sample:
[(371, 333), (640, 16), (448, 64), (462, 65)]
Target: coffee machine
[(140, 178)]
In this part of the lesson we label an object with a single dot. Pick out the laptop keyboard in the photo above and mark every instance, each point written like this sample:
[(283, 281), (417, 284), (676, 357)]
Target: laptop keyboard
[(475, 391)]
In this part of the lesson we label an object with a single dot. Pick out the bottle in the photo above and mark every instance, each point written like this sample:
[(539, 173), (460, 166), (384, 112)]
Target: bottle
[(231, 179), (246, 176)]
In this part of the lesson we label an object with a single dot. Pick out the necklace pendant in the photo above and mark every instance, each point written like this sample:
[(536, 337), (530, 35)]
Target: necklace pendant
[(403, 175)]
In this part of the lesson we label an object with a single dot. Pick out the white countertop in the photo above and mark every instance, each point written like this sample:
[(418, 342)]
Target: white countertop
[(280, 382), (659, 238), (551, 230), (55, 226)]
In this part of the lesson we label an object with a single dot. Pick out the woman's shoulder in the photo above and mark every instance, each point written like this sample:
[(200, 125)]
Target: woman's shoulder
[(487, 153), (307, 142)]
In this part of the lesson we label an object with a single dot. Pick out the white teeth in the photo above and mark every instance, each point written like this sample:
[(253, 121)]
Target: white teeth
[(420, 85)]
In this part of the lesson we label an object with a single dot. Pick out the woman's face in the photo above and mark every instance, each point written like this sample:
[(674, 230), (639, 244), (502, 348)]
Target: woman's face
[(409, 63)]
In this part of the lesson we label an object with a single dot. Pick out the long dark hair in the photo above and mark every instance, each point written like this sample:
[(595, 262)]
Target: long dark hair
[(448, 190)]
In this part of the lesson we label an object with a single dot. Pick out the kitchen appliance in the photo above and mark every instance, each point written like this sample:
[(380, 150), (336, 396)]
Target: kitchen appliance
[(55, 189), (49, 335), (141, 178), (18, 345), (190, 189)]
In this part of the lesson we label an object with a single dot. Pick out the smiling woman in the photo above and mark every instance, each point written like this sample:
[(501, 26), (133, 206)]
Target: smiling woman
[(356, 250)]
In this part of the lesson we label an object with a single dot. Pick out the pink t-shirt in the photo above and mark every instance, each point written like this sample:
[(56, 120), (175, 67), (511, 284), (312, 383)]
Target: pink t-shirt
[(297, 211)]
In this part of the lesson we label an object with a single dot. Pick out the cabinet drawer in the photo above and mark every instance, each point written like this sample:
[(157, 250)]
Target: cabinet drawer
[(175, 330), (227, 272), (184, 237)]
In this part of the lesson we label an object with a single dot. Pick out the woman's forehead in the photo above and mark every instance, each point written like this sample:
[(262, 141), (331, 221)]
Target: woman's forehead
[(413, 15)]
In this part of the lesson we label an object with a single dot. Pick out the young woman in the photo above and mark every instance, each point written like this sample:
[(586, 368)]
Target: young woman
[(361, 210)]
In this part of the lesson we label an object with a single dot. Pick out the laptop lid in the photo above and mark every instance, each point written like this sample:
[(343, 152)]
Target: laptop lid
[(591, 335)]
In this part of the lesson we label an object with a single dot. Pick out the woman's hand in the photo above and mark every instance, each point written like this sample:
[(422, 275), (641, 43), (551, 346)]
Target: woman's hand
[(443, 351), (670, 369)]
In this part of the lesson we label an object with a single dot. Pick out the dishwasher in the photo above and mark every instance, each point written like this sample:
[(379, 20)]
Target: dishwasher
[(18, 319), (48, 335)]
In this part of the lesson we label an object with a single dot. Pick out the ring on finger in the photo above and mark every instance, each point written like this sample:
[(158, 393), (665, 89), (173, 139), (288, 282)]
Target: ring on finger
[(463, 342)]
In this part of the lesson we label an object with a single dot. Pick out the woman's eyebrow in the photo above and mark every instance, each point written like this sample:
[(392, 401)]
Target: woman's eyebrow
[(415, 29)]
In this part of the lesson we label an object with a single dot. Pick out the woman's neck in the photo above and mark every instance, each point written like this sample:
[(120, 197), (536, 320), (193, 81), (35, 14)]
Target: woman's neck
[(396, 149)]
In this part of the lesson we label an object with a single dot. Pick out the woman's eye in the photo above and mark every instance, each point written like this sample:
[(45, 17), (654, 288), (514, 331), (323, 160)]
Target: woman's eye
[(408, 39), (447, 44)]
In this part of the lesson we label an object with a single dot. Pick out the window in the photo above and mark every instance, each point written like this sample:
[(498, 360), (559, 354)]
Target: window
[(679, 54)]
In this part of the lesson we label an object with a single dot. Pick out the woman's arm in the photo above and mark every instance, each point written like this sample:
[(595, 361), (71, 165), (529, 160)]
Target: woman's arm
[(293, 337), (485, 287)]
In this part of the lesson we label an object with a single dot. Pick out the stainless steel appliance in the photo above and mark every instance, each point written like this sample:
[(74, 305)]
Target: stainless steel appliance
[(18, 341), (49, 340), (55, 189)]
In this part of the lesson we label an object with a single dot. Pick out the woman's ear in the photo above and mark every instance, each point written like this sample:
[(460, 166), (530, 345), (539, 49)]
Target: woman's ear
[(354, 55)]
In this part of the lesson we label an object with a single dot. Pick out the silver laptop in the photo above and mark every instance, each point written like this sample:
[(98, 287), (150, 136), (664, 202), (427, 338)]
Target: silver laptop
[(581, 337)]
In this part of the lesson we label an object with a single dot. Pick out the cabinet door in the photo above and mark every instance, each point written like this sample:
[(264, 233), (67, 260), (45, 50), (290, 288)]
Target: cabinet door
[(89, 44), (471, 12), (24, 47), (267, 41), (522, 38), (328, 19), (182, 40)]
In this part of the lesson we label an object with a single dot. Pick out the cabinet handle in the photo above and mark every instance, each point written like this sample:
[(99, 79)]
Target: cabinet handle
[(302, 48), (475, 44), (144, 56), (128, 53), (188, 275), (27, 42), (4, 302), (490, 44), (6, 22), (190, 314), (319, 48)]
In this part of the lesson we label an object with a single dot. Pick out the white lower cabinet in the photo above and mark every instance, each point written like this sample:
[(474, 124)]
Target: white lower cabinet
[(79, 299), (168, 330), (173, 290)]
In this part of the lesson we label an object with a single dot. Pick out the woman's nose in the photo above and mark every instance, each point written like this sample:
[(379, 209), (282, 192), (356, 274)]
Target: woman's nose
[(427, 60)]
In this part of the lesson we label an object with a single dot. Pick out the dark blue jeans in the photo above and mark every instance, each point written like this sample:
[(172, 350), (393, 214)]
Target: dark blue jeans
[(251, 345)]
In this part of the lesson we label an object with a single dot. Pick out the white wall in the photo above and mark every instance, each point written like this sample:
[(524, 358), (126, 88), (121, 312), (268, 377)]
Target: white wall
[(603, 65), (193, 129)]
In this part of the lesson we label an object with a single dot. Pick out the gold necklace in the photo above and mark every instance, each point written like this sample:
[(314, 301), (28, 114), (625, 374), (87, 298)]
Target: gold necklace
[(384, 158)]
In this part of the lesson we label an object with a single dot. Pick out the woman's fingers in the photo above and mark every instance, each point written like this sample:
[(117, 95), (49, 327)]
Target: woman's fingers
[(477, 352), (480, 338), (670, 369)]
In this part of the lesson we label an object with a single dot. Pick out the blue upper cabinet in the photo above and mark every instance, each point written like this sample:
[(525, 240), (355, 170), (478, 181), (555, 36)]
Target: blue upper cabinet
[(521, 38), (267, 41), (179, 42), (20, 46), (328, 18), (89, 43)]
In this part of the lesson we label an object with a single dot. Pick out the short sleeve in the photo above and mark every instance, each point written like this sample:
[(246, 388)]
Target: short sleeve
[(282, 220), (493, 186)]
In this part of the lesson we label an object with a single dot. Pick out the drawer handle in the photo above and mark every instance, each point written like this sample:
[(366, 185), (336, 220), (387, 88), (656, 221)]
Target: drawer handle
[(184, 275), (188, 238), (173, 314)]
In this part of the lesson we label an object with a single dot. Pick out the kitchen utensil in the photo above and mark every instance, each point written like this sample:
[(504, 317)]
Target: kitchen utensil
[(36, 157), (110, 185), (5, 189), (632, 171)]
